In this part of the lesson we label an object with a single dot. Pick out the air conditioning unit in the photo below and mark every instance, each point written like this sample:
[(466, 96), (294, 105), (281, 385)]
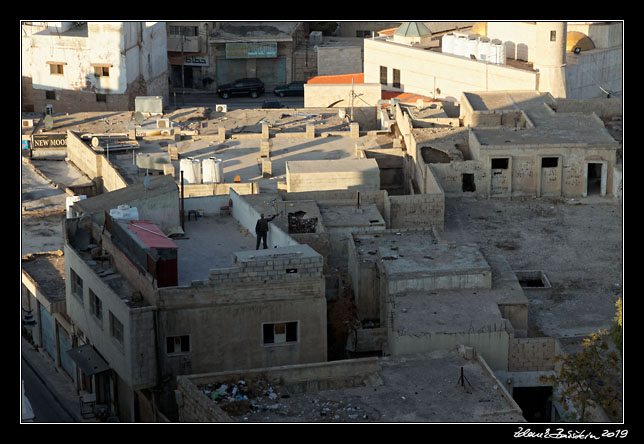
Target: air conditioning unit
[(167, 132), (221, 108), (27, 123), (163, 123)]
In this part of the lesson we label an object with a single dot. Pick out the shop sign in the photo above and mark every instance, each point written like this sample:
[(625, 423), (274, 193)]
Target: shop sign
[(251, 50), (49, 140)]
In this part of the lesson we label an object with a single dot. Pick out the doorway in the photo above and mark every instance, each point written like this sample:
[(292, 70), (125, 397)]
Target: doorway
[(595, 178), (468, 183), (535, 402)]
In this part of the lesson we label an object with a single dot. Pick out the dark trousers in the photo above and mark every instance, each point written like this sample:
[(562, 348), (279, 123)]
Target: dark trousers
[(261, 236)]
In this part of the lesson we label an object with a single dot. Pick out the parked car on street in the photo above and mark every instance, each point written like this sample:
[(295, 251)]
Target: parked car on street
[(292, 89), (248, 87)]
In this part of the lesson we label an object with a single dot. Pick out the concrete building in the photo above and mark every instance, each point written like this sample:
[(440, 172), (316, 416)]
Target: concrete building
[(92, 66), (181, 291), (416, 388), (499, 56), (209, 53), (149, 307)]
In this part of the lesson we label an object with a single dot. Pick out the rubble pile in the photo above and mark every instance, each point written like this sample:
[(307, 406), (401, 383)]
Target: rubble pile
[(259, 401), (297, 223)]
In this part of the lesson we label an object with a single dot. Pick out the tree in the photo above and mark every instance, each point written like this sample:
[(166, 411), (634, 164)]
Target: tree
[(616, 328), (589, 378)]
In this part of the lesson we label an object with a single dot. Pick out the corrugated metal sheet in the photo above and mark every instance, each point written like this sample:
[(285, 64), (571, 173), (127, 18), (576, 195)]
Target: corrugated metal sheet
[(150, 234)]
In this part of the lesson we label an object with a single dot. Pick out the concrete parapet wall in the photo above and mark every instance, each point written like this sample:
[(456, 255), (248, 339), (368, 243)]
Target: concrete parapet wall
[(417, 210), (95, 166)]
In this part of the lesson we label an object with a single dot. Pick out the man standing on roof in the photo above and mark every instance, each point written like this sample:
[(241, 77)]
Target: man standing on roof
[(261, 229)]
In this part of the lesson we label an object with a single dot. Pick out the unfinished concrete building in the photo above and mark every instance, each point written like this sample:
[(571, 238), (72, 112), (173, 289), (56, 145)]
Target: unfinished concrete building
[(235, 309)]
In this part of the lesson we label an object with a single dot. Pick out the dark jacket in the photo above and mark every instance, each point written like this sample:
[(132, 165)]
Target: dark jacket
[(262, 224)]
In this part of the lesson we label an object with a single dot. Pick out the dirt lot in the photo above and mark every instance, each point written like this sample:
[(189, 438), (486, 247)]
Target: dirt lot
[(578, 244)]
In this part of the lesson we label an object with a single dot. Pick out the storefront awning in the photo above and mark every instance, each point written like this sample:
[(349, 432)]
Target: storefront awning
[(88, 359)]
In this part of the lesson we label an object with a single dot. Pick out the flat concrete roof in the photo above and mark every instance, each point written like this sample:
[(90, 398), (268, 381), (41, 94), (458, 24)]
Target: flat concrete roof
[(47, 270), (428, 259), (446, 312), (292, 251), (351, 216), (209, 243), (550, 127), (410, 388), (331, 166)]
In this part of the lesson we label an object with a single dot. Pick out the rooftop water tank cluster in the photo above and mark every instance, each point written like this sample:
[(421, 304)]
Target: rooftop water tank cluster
[(195, 171), (483, 49)]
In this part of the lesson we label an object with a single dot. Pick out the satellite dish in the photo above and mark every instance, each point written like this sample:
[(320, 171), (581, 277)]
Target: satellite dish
[(48, 121), (139, 117), (95, 142), (420, 103)]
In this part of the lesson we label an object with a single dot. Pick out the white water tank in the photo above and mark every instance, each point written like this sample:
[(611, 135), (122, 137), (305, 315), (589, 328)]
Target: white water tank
[(484, 49), (497, 53), (69, 201), (472, 48), (213, 171), (460, 45), (191, 169), (448, 44), (125, 212), (500, 55)]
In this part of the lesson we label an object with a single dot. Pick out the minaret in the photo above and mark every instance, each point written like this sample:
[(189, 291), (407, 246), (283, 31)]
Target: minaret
[(550, 57)]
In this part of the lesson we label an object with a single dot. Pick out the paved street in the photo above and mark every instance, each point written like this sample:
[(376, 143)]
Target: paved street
[(45, 405), (211, 99)]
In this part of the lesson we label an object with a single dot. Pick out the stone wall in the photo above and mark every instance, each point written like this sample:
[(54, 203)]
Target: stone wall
[(532, 354)]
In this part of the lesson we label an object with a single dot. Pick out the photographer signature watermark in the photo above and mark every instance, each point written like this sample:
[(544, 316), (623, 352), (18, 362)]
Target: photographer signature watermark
[(560, 433)]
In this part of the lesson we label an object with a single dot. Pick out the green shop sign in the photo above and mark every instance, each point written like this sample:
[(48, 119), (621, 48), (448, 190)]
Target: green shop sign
[(251, 50)]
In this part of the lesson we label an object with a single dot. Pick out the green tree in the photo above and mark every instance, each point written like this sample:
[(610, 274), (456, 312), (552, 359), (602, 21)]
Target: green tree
[(587, 378), (616, 328)]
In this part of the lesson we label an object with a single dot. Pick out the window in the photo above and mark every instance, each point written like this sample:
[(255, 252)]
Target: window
[(383, 75), (77, 286), (549, 162), (396, 82), (95, 306), (102, 71), (363, 34), (116, 328), (553, 36), (101, 97), (177, 344), (500, 164), (50, 95), (280, 333), (56, 68), (178, 31)]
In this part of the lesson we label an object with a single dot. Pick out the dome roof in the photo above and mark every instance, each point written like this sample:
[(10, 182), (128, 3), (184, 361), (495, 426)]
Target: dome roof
[(576, 39), (413, 29), (480, 28)]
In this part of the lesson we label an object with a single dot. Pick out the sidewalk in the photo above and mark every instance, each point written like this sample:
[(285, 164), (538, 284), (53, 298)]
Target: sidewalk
[(58, 383)]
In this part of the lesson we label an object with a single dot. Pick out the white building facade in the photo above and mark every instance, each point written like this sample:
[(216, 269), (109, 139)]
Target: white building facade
[(92, 66)]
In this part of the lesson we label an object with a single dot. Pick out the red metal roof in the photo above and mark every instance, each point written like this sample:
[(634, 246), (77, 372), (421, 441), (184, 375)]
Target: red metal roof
[(339, 78), (150, 234)]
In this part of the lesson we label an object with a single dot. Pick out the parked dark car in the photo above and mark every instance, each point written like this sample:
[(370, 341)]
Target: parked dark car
[(292, 89), (247, 87), (272, 104)]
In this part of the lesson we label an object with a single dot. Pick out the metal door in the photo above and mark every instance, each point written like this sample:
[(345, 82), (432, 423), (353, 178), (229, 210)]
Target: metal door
[(64, 344), (47, 331), (272, 72)]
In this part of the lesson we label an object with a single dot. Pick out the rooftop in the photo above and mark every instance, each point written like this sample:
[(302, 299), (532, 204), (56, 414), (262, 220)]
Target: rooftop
[(209, 243), (410, 388), (550, 127)]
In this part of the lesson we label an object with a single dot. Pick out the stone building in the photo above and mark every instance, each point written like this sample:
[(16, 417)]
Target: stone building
[(91, 66)]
